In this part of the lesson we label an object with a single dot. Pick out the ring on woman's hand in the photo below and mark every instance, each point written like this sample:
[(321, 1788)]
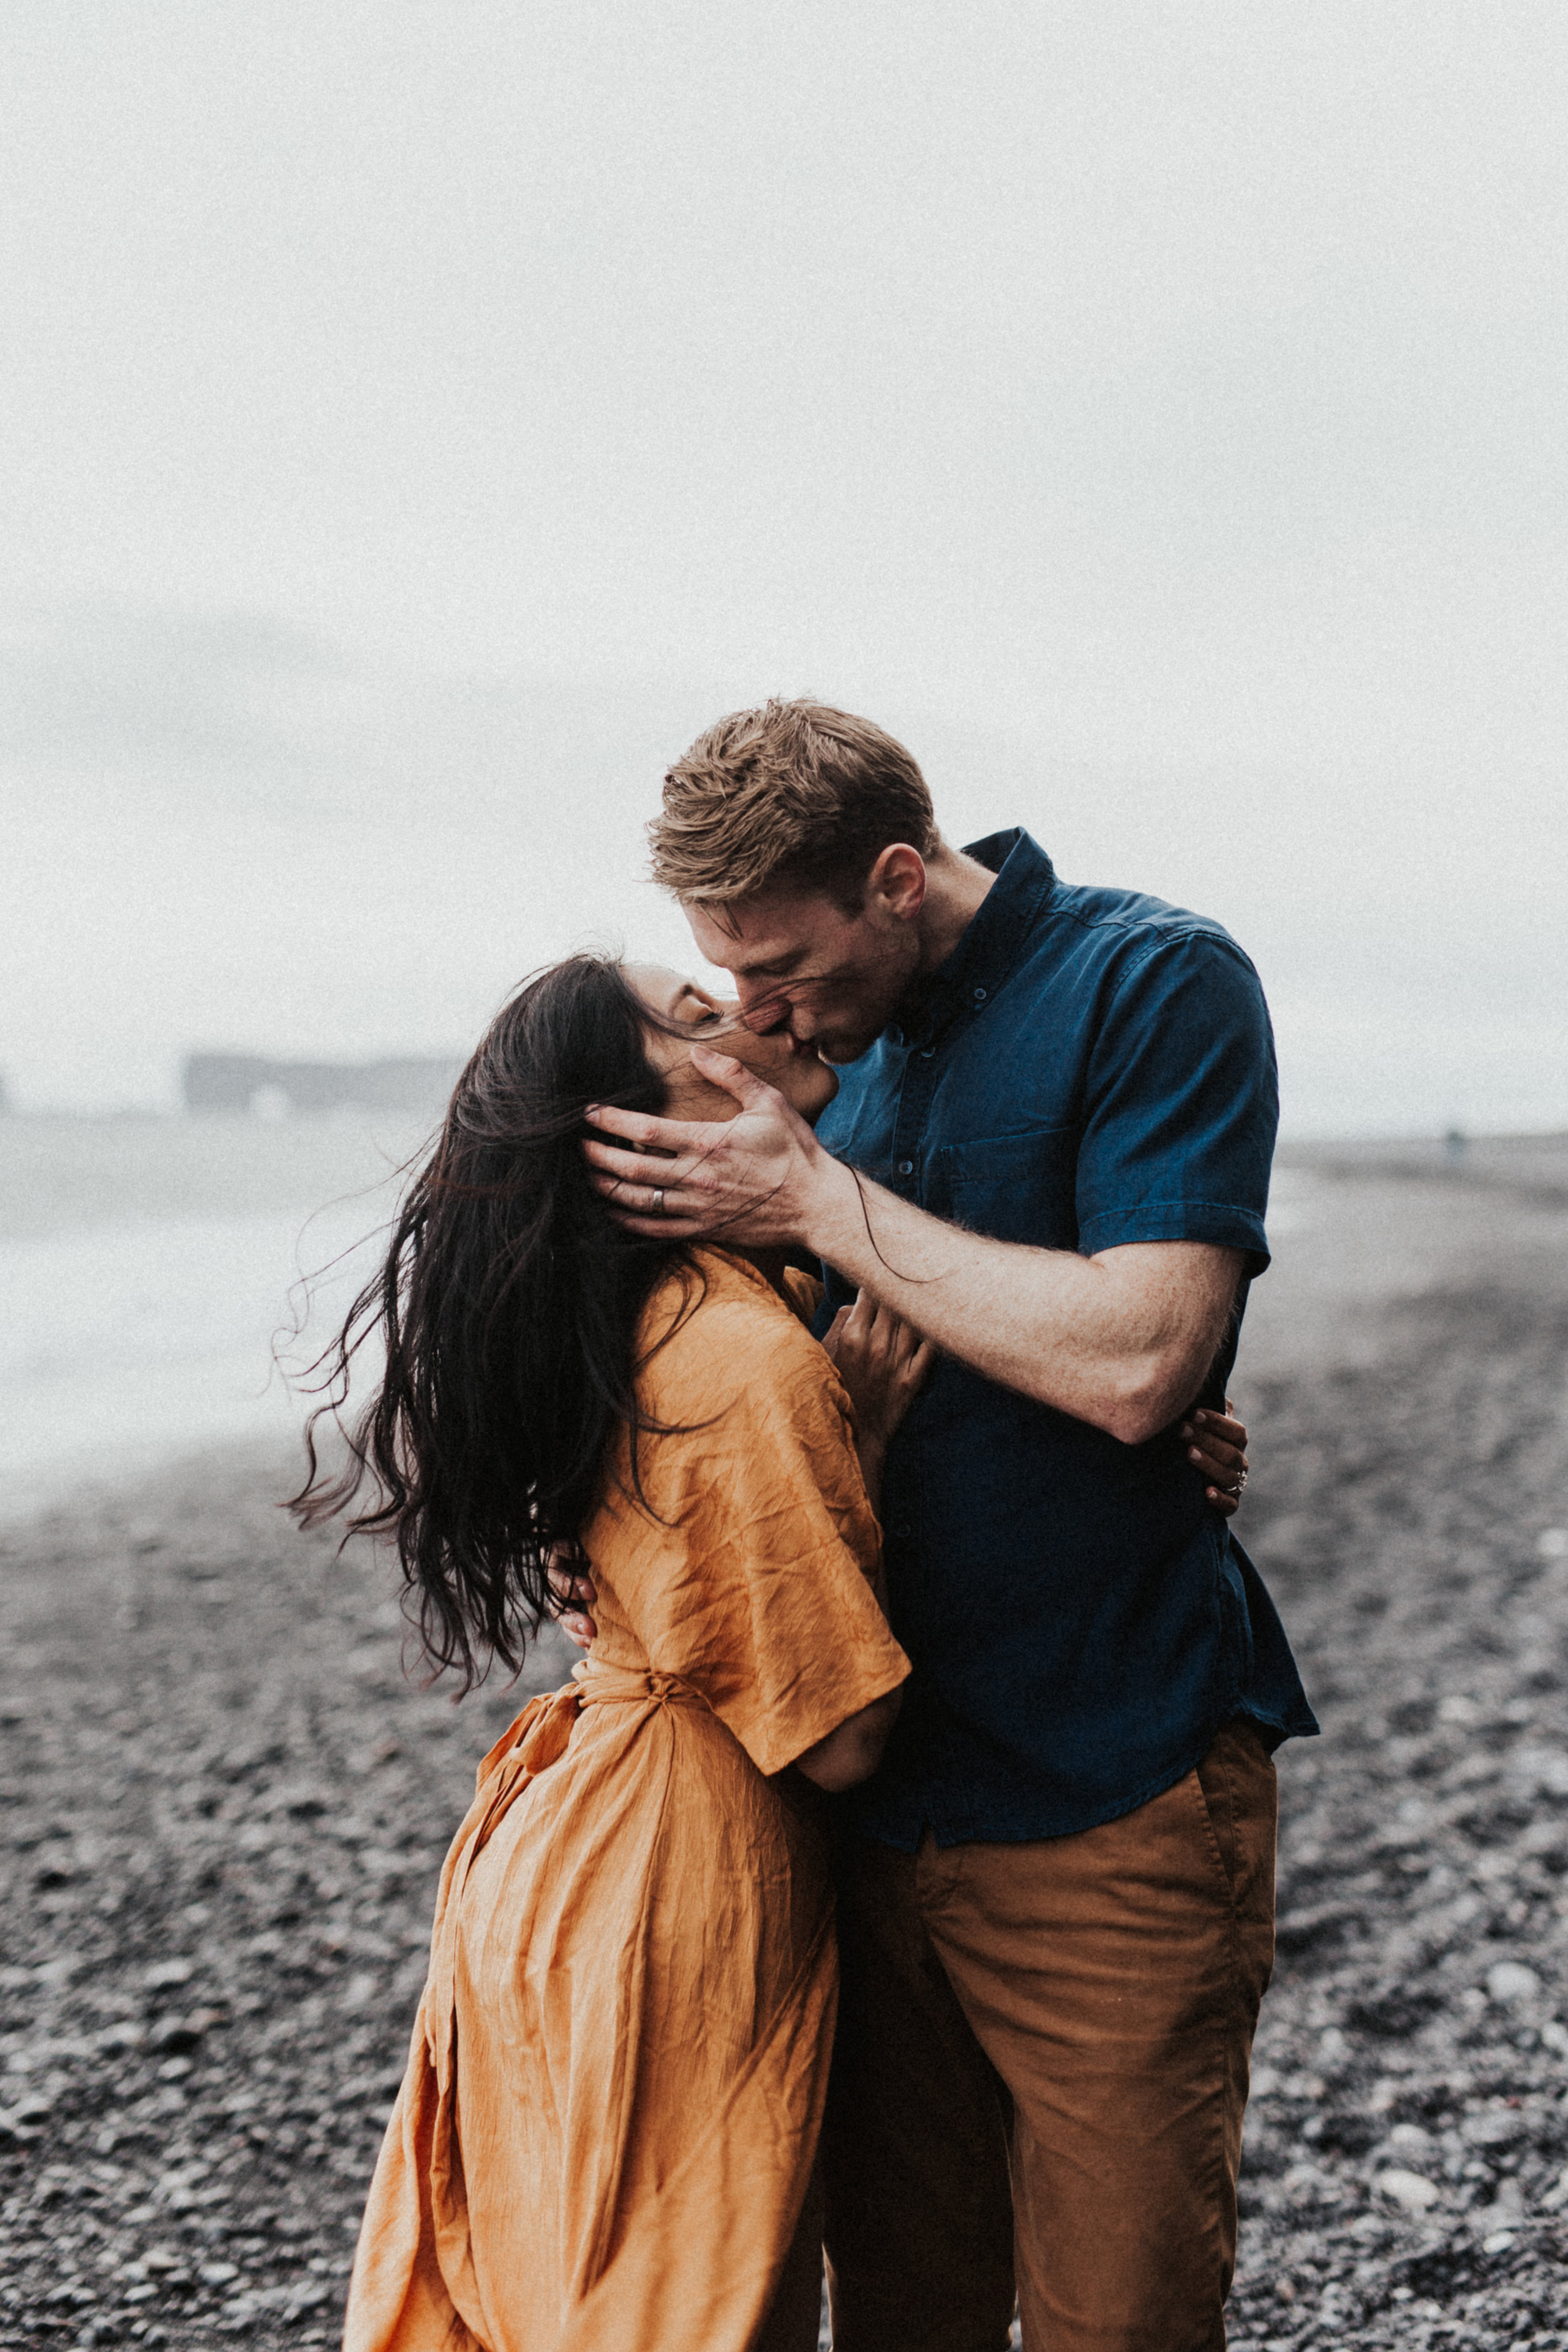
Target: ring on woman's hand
[(659, 1201), (1240, 1481)]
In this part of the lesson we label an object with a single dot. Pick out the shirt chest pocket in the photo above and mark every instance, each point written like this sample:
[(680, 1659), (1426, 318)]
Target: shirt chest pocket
[(1016, 1188)]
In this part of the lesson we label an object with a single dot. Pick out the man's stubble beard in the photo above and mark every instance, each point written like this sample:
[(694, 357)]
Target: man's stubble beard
[(860, 1041), (841, 1059)]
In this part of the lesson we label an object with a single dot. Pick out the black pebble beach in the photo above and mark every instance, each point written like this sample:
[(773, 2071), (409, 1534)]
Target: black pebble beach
[(223, 1807)]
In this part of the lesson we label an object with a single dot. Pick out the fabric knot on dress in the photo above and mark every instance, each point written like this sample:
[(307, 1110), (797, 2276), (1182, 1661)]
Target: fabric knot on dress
[(629, 1684)]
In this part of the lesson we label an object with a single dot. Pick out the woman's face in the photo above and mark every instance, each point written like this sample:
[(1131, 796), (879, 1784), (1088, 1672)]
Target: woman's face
[(804, 1082)]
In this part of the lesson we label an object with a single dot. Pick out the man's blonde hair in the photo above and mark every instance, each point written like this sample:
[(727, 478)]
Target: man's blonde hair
[(795, 795)]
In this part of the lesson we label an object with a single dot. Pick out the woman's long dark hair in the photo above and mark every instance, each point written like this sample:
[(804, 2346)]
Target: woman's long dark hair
[(509, 1306)]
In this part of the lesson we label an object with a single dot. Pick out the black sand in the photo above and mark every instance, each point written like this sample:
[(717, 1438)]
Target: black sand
[(223, 1810)]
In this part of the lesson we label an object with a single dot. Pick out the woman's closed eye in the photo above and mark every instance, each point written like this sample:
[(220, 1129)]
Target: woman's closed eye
[(694, 1009), (721, 1019)]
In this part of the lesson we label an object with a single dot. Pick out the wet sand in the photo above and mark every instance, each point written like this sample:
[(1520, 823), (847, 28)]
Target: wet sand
[(222, 1807)]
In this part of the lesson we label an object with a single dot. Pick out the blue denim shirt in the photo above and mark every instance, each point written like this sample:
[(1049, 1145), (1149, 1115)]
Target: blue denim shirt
[(1088, 1068)]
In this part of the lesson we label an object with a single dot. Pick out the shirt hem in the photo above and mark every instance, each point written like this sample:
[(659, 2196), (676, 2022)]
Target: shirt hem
[(1298, 1724)]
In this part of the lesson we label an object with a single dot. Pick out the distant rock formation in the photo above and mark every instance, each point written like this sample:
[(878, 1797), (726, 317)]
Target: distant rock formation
[(248, 1082)]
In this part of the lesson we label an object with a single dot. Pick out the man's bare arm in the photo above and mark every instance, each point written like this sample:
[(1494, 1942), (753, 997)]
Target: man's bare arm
[(1122, 1340)]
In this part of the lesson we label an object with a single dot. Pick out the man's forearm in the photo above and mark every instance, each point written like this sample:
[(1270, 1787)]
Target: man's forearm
[(1123, 1341)]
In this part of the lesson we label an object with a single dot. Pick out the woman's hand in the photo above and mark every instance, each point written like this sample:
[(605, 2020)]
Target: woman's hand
[(883, 1362), (1216, 1444), (575, 1594)]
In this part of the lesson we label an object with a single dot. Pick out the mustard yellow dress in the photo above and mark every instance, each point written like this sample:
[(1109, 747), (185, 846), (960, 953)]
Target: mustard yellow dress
[(615, 2086)]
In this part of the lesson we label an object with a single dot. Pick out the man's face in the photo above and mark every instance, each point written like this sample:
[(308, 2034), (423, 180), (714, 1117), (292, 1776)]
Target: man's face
[(801, 962)]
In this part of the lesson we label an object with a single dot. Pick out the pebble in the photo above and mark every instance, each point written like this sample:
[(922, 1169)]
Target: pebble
[(1413, 2044), (1509, 1982), (1411, 2189), (163, 1973), (199, 1762)]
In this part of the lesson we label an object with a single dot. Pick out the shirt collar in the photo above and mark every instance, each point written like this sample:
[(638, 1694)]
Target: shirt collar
[(993, 940)]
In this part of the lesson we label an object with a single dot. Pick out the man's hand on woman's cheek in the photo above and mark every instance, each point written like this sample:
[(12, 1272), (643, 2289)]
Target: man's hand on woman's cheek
[(754, 1179)]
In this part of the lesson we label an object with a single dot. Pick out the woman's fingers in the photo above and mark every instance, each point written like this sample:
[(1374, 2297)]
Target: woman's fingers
[(911, 1356), (1216, 1443), (572, 1593), (897, 1335), (833, 1335), (1215, 1446), (1222, 1426), (903, 1337), (876, 1327), (570, 1578), (882, 1343), (857, 1319)]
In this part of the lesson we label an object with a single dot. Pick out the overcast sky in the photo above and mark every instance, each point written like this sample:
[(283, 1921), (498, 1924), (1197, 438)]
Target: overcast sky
[(419, 420)]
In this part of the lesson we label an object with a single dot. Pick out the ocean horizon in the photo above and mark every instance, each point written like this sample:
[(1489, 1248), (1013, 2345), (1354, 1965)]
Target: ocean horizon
[(166, 1280)]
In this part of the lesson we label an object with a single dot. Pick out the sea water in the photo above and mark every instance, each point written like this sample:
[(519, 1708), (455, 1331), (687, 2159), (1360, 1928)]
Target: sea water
[(165, 1282)]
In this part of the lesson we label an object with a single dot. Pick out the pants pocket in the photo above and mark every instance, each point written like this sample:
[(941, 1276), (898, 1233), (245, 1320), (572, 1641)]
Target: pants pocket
[(1236, 1783)]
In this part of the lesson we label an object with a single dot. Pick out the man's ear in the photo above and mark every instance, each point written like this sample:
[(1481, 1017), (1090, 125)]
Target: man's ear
[(897, 882)]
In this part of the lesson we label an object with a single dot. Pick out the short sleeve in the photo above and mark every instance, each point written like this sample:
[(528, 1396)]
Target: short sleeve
[(804, 1293), (756, 1588), (1181, 1105)]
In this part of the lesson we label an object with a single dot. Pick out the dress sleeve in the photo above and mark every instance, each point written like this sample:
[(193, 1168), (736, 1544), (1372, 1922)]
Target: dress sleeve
[(756, 1586)]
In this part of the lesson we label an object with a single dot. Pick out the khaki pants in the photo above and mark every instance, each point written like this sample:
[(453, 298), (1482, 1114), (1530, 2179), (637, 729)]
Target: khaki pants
[(1039, 2075)]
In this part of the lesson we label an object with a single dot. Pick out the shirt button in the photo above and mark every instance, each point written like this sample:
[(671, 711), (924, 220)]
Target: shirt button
[(906, 1167), (980, 996), (926, 1053), (903, 1531)]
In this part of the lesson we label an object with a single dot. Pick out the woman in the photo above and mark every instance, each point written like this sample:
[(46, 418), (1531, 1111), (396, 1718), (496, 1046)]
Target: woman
[(605, 2134)]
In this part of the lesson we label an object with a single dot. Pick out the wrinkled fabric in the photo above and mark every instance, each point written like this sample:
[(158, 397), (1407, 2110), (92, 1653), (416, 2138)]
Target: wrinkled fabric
[(615, 2079)]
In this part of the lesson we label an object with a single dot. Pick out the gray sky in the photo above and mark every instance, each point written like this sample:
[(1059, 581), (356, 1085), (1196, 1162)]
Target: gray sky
[(419, 420)]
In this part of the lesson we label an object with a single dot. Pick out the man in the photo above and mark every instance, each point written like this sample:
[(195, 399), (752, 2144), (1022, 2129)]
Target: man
[(1050, 1153)]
